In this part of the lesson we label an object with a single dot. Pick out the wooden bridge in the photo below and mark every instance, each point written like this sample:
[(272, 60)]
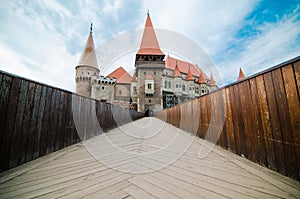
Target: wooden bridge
[(97, 168), (54, 143)]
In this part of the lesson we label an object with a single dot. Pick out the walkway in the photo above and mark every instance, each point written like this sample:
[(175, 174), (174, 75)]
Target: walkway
[(144, 159)]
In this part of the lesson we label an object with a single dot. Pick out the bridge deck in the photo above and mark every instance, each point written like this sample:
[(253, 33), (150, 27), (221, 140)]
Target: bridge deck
[(144, 159)]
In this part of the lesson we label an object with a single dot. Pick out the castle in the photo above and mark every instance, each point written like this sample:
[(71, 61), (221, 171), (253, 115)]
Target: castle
[(159, 81)]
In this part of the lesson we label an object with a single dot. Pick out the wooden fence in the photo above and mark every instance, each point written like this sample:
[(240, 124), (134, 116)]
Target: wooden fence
[(37, 119), (258, 118)]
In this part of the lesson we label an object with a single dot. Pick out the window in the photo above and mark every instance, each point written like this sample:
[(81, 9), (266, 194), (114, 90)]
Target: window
[(166, 84), (190, 88), (154, 73), (145, 73), (183, 87), (149, 95), (169, 84), (149, 86), (102, 87), (134, 89), (120, 92), (176, 85)]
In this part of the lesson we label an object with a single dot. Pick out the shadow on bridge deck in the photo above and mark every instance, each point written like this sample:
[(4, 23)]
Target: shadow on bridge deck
[(144, 159)]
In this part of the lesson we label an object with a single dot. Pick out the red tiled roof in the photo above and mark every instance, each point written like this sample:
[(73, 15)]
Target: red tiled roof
[(184, 67), (241, 75), (149, 44), (121, 75)]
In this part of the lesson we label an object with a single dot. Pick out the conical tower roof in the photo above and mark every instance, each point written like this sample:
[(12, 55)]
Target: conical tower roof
[(88, 56), (189, 75), (212, 82), (241, 75), (149, 44), (176, 71), (201, 79)]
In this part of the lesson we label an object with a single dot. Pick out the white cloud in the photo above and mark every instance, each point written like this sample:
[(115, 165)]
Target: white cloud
[(276, 43), (211, 24), (43, 40)]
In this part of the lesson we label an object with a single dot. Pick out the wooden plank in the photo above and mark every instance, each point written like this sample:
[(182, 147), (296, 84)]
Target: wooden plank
[(33, 123), (5, 88), (53, 125), (257, 128), (18, 135), (275, 124), (68, 122), (200, 126), (46, 120), (246, 109), (296, 66), (293, 107), (239, 123), (221, 114), (223, 108), (40, 120), (152, 189), (195, 115), (285, 123), (265, 118), (26, 121), (137, 192), (7, 136), (235, 121), (229, 124), (59, 138)]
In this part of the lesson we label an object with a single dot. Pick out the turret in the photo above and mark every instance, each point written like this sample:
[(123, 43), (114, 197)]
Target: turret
[(87, 67)]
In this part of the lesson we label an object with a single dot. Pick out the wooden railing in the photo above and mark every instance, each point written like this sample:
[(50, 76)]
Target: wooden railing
[(258, 118), (37, 119)]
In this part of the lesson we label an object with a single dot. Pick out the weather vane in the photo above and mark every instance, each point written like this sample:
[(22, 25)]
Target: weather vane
[(148, 12), (91, 28)]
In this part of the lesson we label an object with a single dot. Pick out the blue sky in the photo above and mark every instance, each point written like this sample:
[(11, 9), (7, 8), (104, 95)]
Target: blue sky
[(43, 40)]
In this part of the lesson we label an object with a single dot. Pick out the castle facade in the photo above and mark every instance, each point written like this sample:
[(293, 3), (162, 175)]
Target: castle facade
[(159, 81)]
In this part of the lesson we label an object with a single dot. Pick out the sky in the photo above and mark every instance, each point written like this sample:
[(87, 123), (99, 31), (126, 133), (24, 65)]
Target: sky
[(43, 39)]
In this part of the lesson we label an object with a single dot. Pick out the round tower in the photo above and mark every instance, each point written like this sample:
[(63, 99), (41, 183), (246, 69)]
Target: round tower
[(87, 67)]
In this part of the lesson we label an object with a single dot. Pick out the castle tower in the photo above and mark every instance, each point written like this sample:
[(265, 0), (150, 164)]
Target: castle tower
[(149, 63), (87, 67)]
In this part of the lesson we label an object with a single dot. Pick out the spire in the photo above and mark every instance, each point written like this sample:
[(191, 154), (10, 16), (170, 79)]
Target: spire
[(176, 71), (189, 75), (212, 82), (201, 79), (88, 56), (241, 75), (149, 44)]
